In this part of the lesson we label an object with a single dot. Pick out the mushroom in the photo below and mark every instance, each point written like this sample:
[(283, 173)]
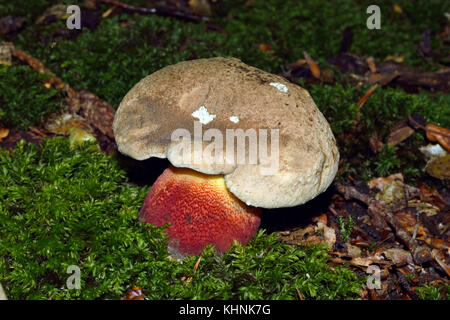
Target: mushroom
[(200, 114)]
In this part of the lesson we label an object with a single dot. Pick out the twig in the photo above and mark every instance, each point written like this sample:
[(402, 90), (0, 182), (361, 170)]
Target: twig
[(157, 10), (300, 296), (363, 100), (164, 11), (404, 283), (418, 125)]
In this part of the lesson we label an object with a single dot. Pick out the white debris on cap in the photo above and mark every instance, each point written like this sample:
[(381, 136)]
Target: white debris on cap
[(281, 87), (234, 119), (203, 115)]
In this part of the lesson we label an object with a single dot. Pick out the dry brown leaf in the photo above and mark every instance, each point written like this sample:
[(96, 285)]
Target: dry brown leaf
[(265, 47), (372, 66), (399, 134), (382, 78), (439, 167), (108, 12), (399, 257), (5, 53), (396, 58), (313, 67), (200, 7), (59, 11), (4, 132), (375, 144), (297, 64), (363, 100), (397, 8), (134, 294), (439, 134)]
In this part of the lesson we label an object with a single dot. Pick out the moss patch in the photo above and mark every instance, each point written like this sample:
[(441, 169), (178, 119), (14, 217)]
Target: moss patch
[(24, 100), (63, 207)]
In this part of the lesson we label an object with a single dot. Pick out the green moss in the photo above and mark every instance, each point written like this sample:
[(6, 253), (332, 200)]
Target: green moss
[(61, 207), (109, 60), (24, 100), (429, 292), (384, 108)]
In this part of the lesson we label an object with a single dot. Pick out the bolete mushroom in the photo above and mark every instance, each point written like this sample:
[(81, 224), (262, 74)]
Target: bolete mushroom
[(199, 115)]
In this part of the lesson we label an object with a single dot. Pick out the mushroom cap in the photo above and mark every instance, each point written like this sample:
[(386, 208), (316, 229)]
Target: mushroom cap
[(224, 93)]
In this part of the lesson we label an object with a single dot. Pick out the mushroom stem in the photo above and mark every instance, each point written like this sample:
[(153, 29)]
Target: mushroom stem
[(200, 211)]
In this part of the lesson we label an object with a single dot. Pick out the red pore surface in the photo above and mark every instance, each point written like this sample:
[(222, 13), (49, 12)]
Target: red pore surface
[(200, 211)]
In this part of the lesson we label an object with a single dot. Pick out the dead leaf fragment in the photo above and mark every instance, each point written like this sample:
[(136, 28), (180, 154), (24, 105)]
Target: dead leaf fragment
[(375, 144), (4, 132), (439, 134), (399, 257), (381, 182), (396, 58), (439, 167), (399, 133), (372, 66), (6, 53), (265, 47), (134, 294), (55, 12), (313, 67), (200, 7), (64, 123), (397, 8)]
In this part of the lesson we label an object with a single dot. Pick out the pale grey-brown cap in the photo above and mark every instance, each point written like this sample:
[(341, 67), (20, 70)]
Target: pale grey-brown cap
[(225, 95)]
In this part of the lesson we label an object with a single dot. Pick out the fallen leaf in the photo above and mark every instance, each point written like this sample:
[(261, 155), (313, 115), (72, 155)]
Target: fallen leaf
[(439, 167), (382, 78), (399, 133), (399, 257), (375, 144), (79, 136), (396, 58), (265, 47), (392, 192), (397, 8), (6, 53), (55, 12), (98, 113), (372, 66), (200, 7), (134, 294), (64, 123), (108, 12), (3, 133), (313, 67), (297, 64), (353, 250), (440, 259), (439, 134)]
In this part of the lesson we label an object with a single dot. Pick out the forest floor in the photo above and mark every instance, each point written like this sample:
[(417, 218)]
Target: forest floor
[(68, 203)]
